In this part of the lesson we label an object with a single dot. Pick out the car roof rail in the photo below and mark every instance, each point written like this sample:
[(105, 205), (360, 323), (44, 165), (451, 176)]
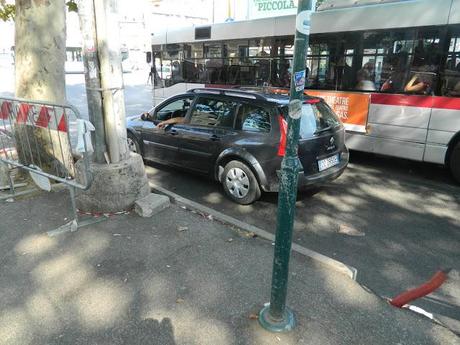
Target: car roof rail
[(276, 90), (230, 92)]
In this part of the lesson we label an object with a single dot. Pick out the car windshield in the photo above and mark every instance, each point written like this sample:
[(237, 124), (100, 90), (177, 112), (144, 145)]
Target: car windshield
[(316, 118)]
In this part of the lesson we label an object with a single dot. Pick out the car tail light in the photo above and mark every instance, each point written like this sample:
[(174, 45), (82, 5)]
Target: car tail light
[(283, 134), (312, 101)]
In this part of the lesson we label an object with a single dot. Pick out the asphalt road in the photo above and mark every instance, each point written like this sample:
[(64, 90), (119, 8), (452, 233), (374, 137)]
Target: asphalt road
[(396, 221)]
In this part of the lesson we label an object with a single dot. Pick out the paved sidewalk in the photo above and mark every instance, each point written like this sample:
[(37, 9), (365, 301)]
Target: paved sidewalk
[(178, 278)]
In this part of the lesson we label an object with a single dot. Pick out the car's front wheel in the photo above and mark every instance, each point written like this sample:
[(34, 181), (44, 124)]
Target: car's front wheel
[(240, 183), (133, 144)]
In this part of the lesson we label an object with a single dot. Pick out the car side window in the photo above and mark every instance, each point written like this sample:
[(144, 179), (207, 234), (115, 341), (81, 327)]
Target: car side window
[(213, 112), (252, 118), (177, 108)]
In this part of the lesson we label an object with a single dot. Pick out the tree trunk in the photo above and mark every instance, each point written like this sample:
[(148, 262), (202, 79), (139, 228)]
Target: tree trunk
[(40, 40)]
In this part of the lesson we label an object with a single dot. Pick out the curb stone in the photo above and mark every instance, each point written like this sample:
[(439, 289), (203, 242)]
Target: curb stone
[(350, 271)]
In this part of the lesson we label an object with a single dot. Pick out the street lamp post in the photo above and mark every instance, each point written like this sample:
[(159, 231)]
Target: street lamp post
[(277, 317)]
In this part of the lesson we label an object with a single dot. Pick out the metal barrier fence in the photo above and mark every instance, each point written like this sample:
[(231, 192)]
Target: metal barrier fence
[(36, 136)]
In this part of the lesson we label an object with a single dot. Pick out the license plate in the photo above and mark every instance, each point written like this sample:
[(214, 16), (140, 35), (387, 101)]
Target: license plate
[(328, 162)]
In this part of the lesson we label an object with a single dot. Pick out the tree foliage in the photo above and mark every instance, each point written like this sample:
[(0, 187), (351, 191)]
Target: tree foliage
[(319, 2), (72, 6), (7, 11)]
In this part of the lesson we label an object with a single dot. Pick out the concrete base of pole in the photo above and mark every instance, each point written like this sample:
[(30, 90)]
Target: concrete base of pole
[(286, 324), (115, 186), (4, 175)]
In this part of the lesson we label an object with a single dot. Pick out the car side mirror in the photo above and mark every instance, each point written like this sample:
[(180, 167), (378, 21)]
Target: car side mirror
[(146, 117)]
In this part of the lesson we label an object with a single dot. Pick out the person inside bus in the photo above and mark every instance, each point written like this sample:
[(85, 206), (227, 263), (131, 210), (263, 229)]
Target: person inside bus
[(395, 83), (263, 67), (176, 72), (364, 81), (421, 82), (370, 67), (419, 54), (285, 75), (455, 92), (344, 74), (417, 85)]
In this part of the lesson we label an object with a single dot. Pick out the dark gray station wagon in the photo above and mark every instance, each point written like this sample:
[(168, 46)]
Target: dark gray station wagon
[(238, 138)]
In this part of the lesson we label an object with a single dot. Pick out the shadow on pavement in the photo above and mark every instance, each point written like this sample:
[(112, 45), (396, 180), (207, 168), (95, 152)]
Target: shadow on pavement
[(142, 281), (404, 224)]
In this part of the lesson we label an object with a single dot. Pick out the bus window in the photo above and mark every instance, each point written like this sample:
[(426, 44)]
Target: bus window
[(425, 62), (321, 71), (260, 47), (196, 50), (397, 51), (232, 51), (375, 47), (450, 76), (212, 51), (243, 52), (346, 64)]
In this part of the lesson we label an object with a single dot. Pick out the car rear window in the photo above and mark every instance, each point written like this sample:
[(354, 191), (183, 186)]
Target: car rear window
[(252, 118), (213, 112), (315, 118)]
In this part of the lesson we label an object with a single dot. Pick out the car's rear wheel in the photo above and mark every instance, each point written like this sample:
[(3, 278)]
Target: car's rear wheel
[(455, 162), (240, 183), (133, 144)]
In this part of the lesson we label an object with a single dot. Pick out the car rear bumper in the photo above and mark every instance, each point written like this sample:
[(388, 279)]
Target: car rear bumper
[(326, 175), (305, 181)]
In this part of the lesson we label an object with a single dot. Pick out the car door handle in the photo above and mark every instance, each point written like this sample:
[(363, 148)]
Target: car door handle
[(214, 138), (173, 132)]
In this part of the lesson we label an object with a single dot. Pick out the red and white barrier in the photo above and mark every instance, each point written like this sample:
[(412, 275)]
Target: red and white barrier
[(53, 118)]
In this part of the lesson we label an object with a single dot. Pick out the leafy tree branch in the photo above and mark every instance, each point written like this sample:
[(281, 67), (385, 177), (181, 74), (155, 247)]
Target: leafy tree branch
[(7, 11)]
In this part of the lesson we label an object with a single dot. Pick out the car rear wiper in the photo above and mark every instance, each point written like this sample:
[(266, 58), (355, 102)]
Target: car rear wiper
[(325, 129)]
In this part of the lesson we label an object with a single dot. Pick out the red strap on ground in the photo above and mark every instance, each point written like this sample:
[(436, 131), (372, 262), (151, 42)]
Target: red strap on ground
[(435, 282)]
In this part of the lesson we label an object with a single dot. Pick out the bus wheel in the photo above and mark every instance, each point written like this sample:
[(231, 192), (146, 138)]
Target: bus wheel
[(455, 162)]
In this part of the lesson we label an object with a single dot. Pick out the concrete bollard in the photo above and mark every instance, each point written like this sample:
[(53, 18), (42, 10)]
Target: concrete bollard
[(151, 205)]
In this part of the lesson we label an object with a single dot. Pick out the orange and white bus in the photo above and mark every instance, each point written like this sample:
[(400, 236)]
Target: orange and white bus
[(389, 68)]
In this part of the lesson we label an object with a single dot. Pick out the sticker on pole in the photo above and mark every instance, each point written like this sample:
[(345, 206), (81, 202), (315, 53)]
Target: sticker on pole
[(302, 22), (299, 80), (295, 109)]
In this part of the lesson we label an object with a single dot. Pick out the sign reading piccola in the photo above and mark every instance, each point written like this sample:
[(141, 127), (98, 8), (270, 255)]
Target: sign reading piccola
[(275, 5), (271, 8)]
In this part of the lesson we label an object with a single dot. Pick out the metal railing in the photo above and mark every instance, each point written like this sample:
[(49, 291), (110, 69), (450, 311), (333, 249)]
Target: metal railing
[(41, 138)]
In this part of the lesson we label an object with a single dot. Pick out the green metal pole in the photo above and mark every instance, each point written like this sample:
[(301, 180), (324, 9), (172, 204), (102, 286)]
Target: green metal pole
[(276, 316)]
